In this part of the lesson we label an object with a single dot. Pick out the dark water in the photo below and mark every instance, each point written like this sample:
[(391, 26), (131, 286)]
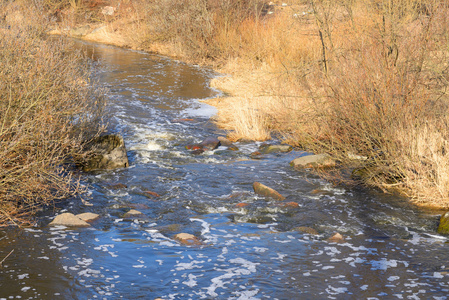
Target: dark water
[(390, 249)]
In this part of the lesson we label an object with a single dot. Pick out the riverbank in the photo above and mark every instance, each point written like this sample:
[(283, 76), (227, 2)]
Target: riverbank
[(48, 113), (363, 81)]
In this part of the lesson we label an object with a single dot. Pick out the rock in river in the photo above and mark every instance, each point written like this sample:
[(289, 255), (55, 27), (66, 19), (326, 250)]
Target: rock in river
[(313, 161), (443, 228), (266, 191), (109, 152), (267, 149), (187, 239), (69, 220)]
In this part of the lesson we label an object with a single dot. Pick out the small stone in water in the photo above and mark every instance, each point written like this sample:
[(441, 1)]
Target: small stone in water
[(152, 193), (88, 217), (187, 239), (337, 237)]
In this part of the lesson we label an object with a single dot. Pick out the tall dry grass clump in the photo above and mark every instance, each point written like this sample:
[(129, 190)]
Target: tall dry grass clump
[(48, 111)]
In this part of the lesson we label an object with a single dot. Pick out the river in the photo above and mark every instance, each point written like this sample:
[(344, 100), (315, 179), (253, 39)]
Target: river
[(253, 251)]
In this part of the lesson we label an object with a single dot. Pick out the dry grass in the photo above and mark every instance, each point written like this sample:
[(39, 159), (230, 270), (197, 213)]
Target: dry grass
[(48, 111)]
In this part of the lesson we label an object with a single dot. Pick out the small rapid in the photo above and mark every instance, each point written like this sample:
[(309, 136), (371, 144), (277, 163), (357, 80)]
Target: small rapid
[(251, 247)]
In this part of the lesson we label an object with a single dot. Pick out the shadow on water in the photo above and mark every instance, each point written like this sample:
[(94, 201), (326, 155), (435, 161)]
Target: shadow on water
[(251, 247)]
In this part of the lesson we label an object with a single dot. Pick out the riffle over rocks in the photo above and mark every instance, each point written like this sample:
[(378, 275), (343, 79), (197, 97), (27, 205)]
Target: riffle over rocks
[(109, 152)]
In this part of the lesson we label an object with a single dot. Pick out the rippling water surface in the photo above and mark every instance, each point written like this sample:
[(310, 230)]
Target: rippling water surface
[(390, 250)]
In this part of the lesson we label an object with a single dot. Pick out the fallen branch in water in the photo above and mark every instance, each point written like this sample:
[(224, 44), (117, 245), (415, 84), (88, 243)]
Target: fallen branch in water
[(1, 262)]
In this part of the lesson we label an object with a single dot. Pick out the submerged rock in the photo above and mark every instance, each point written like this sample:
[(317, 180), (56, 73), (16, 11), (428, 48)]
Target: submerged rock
[(210, 143), (109, 152), (307, 230), (69, 220), (266, 191), (134, 214), (336, 238), (118, 186), (187, 239), (443, 228), (313, 161)]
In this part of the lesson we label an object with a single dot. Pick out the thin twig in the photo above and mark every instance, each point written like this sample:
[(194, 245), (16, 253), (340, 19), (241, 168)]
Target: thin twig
[(1, 262)]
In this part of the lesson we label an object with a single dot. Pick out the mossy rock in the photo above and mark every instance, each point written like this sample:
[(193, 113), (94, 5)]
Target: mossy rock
[(108, 152), (443, 228)]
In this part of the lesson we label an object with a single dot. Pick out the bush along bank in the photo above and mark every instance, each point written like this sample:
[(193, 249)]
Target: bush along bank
[(48, 112)]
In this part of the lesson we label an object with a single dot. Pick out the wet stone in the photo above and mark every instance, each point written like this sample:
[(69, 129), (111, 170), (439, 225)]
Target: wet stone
[(118, 186), (151, 193), (88, 216), (169, 228), (307, 230), (69, 220), (210, 143), (336, 238), (267, 149), (266, 191), (187, 239), (134, 214), (291, 204), (109, 152), (313, 161)]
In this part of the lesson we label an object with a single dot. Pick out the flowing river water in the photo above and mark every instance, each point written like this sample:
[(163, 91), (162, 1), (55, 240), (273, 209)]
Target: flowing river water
[(390, 249)]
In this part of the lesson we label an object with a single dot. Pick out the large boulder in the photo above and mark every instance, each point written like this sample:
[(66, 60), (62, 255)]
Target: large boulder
[(108, 152), (266, 191), (313, 161)]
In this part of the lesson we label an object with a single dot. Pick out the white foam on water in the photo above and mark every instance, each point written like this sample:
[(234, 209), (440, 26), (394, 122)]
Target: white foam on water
[(195, 264), (201, 110), (204, 224), (336, 290), (385, 264), (191, 282), (23, 276)]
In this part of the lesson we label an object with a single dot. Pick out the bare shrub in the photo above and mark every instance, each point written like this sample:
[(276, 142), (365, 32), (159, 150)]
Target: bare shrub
[(48, 110), (380, 91)]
